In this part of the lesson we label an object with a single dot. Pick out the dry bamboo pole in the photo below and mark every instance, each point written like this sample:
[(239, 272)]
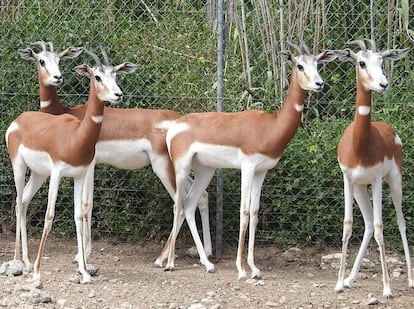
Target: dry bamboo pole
[(272, 40), (282, 37), (240, 22)]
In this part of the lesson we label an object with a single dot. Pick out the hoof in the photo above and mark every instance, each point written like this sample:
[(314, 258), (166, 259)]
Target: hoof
[(211, 271), (169, 268), (92, 269), (157, 264)]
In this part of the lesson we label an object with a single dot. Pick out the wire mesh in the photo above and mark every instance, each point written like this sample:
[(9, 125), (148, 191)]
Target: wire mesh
[(174, 43)]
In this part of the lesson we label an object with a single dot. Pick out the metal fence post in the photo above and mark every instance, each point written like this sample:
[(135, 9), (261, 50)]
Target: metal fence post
[(220, 93)]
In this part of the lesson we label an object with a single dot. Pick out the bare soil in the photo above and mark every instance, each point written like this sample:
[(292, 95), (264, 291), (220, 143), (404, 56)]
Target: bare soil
[(127, 279)]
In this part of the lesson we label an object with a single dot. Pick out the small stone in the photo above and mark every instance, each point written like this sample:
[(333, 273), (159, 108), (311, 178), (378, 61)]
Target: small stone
[(197, 306), (271, 304), (61, 303), (192, 252), (36, 296), (372, 301), (292, 254), (14, 268)]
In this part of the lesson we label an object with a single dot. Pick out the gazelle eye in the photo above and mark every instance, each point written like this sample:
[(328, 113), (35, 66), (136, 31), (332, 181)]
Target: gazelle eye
[(98, 78), (42, 63), (362, 65), (300, 67)]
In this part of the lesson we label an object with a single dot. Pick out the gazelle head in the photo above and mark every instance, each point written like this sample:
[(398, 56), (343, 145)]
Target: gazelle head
[(306, 66), (103, 76), (369, 63), (48, 61)]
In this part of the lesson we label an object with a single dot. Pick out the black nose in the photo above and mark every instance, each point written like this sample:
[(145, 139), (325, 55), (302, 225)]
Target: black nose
[(58, 78), (384, 85), (320, 84), (118, 95)]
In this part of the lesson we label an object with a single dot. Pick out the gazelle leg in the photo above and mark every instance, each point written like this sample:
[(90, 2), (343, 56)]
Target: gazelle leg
[(347, 232), (32, 186), (202, 205), (166, 249), (396, 193), (179, 199), (247, 174), (254, 219), (364, 204), (379, 235), (50, 213), (202, 179), (79, 214), (203, 208)]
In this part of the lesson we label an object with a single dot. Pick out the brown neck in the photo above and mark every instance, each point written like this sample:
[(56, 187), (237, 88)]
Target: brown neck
[(88, 131), (362, 122), (290, 114)]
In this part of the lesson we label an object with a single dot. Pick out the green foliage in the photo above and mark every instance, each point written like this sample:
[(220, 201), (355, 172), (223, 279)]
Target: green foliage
[(174, 44)]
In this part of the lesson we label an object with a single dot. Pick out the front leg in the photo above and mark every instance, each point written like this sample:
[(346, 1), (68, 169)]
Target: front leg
[(379, 235), (347, 232)]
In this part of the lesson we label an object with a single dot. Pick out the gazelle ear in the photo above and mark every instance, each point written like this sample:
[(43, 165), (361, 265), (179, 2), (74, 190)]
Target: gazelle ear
[(27, 54), (83, 70), (326, 56), (345, 54), (71, 52), (288, 57), (126, 68), (395, 54)]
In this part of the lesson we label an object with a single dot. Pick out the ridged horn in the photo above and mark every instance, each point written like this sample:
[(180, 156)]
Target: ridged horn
[(42, 44), (94, 56), (360, 43)]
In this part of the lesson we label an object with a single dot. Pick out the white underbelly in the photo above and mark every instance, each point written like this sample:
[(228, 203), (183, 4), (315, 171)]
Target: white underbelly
[(40, 162), (130, 154), (368, 175), (220, 156)]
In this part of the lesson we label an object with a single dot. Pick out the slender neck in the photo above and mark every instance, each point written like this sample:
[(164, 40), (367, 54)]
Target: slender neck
[(291, 110), (362, 119), (49, 100), (91, 123)]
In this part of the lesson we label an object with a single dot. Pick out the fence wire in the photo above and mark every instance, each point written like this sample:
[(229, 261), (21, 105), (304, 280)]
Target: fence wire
[(174, 42)]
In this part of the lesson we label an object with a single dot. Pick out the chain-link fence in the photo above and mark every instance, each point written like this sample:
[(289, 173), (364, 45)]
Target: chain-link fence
[(174, 42)]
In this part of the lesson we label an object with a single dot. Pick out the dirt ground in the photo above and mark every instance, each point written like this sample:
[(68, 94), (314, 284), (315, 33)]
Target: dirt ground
[(127, 279)]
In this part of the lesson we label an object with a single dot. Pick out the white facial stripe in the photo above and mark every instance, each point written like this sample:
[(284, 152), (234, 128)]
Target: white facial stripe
[(364, 110), (299, 107), (44, 104), (97, 119)]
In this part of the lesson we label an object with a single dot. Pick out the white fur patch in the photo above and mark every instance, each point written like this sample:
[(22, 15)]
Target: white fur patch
[(397, 140), (368, 175), (164, 125), (299, 107), (220, 156), (97, 119), (12, 127), (126, 154), (44, 104), (364, 110), (175, 129)]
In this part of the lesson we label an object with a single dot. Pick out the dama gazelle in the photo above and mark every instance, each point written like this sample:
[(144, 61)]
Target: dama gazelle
[(63, 146), (367, 153), (129, 139), (49, 76), (252, 141), (48, 71)]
